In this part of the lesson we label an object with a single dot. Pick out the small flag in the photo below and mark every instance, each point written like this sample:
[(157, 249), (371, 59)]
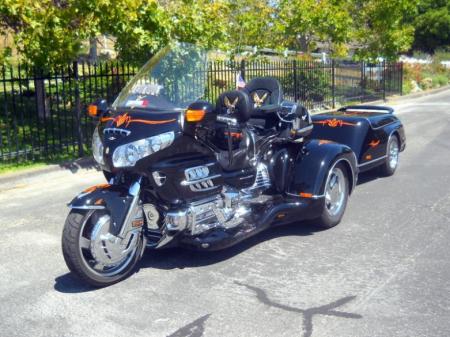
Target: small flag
[(240, 83)]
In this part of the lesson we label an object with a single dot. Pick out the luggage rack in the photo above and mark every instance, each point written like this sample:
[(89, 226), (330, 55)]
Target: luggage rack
[(368, 108)]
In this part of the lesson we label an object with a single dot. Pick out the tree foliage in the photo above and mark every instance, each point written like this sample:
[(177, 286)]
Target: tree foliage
[(432, 25), (49, 32), (302, 22), (45, 32), (380, 28)]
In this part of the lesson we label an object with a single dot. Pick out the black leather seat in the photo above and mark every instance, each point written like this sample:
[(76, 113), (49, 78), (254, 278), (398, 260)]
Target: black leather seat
[(234, 109), (266, 96)]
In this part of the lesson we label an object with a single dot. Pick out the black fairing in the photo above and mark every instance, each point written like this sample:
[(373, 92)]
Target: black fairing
[(139, 125), (173, 191), (115, 198)]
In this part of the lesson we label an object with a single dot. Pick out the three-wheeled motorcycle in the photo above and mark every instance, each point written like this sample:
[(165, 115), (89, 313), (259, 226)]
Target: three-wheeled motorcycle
[(182, 171)]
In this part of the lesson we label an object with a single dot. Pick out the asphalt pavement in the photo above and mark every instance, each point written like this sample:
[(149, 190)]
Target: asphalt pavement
[(384, 271)]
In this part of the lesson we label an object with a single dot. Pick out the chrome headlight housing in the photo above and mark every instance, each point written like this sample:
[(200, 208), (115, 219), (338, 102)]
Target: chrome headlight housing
[(97, 147), (127, 155)]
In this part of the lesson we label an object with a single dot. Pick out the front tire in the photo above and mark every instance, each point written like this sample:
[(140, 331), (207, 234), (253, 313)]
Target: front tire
[(336, 192), (79, 249)]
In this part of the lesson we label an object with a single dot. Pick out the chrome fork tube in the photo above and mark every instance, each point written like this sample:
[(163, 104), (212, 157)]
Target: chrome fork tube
[(134, 191)]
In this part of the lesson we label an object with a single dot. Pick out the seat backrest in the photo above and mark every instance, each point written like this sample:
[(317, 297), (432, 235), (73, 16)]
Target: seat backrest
[(265, 92), (235, 104)]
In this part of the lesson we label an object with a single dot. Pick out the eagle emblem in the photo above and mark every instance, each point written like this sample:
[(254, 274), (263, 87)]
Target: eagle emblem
[(230, 106), (259, 100)]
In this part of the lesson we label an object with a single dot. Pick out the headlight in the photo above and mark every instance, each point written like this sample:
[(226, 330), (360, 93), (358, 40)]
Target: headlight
[(97, 147), (127, 155)]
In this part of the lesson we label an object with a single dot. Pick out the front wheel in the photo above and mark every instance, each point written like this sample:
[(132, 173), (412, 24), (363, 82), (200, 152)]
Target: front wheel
[(93, 254), (336, 196)]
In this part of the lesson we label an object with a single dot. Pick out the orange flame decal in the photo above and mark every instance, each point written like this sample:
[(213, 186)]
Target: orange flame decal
[(374, 143), (93, 188), (127, 120), (122, 119), (333, 123)]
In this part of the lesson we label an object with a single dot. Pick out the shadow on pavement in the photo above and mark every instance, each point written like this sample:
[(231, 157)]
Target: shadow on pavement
[(182, 258), (179, 258), (308, 314), (70, 284), (82, 163), (367, 177), (193, 329)]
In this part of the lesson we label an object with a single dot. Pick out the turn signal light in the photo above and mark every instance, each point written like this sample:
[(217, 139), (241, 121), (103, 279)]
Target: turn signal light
[(92, 110), (195, 115), (306, 195)]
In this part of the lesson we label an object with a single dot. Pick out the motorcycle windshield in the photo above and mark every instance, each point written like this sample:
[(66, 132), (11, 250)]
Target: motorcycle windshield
[(172, 79)]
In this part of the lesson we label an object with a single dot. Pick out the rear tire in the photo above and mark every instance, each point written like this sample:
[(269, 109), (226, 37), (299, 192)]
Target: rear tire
[(336, 190), (390, 165), (76, 256)]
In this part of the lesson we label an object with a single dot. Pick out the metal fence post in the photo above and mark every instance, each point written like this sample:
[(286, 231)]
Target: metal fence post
[(242, 68), (78, 110), (333, 82), (384, 80), (401, 78), (296, 95), (363, 79)]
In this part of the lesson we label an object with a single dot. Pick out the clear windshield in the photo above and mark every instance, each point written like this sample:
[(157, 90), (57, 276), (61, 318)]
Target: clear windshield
[(172, 79)]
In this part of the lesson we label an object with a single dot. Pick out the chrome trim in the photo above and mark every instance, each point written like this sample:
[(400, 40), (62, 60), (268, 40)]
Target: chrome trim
[(228, 120), (372, 161), (351, 169), (116, 131), (192, 182), (382, 126), (134, 190), (86, 207)]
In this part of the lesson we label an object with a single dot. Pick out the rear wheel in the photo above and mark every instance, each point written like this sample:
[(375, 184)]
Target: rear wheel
[(93, 254), (336, 195), (391, 163)]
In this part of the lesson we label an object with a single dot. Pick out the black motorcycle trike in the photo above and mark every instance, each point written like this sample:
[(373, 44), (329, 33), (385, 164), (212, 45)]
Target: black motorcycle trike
[(184, 172)]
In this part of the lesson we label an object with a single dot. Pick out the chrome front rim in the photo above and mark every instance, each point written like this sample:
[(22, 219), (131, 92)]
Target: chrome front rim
[(335, 191), (393, 154), (103, 253)]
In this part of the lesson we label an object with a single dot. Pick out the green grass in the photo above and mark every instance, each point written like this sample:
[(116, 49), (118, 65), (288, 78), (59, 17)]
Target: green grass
[(54, 159), (17, 167)]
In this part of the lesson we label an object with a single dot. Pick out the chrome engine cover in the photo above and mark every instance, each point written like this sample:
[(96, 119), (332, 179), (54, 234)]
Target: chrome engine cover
[(228, 209)]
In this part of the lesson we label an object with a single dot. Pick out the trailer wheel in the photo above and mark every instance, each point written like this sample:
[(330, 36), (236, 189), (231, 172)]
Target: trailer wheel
[(390, 165)]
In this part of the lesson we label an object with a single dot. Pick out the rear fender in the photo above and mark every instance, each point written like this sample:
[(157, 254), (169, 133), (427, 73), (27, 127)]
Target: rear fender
[(115, 199), (313, 164)]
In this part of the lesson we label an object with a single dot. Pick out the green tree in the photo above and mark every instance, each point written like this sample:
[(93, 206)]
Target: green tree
[(301, 23), (45, 32), (380, 28), (250, 23), (432, 25)]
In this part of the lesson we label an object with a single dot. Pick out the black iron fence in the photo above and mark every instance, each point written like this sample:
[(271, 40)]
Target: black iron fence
[(42, 115)]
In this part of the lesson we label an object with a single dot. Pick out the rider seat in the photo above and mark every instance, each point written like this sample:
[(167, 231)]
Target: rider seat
[(266, 96), (232, 138)]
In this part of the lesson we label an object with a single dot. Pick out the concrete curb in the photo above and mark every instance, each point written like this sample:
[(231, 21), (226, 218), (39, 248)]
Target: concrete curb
[(74, 166)]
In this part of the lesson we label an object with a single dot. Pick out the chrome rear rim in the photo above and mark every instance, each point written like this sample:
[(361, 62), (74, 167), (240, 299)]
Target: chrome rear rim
[(393, 153), (335, 191)]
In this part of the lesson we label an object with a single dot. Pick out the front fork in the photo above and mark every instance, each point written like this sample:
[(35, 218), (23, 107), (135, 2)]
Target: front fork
[(124, 207)]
